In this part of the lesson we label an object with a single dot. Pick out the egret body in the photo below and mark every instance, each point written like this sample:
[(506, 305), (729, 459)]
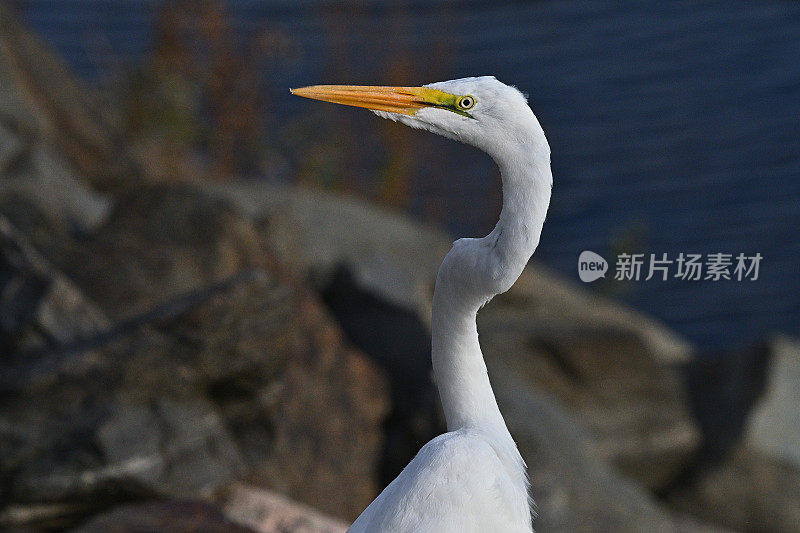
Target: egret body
[(471, 478)]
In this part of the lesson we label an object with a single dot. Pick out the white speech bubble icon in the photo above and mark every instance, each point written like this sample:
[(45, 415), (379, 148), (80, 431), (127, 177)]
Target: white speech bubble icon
[(591, 266)]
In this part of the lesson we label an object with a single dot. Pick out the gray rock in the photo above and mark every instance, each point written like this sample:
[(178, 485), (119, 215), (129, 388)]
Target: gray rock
[(773, 427), (11, 148), (131, 440), (747, 491), (41, 176), (32, 170), (311, 231), (174, 516), (634, 407), (38, 304), (574, 488), (268, 512), (752, 481), (181, 448)]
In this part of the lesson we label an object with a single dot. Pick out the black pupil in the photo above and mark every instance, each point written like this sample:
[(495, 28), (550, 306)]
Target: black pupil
[(466, 102)]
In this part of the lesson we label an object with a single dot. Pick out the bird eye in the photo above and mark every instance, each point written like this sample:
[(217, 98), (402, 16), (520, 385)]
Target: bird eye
[(466, 102)]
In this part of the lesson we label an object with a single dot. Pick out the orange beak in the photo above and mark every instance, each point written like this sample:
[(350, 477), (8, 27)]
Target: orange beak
[(405, 100)]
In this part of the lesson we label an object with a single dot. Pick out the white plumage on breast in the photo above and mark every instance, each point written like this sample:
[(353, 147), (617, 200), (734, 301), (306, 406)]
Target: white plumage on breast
[(457, 470)]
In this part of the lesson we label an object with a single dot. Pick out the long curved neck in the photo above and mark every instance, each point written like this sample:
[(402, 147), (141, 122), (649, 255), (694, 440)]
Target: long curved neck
[(477, 269)]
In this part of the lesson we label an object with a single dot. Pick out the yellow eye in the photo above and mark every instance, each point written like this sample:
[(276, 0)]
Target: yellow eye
[(466, 102)]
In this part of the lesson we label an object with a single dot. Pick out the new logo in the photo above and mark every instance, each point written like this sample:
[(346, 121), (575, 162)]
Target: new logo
[(591, 266)]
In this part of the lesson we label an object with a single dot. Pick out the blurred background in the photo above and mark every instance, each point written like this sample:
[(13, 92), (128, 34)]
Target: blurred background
[(214, 296)]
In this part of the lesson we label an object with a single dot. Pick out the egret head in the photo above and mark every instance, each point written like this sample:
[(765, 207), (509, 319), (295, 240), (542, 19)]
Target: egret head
[(481, 111)]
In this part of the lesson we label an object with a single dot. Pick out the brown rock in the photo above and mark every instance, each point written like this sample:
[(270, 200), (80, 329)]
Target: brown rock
[(307, 407)]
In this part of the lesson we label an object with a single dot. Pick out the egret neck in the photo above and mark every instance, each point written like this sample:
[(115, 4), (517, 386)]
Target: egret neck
[(475, 270)]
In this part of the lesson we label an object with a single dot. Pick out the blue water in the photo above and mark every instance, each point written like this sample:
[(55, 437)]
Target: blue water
[(672, 123)]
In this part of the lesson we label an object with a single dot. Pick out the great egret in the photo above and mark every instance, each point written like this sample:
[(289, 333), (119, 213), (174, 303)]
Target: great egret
[(471, 478)]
